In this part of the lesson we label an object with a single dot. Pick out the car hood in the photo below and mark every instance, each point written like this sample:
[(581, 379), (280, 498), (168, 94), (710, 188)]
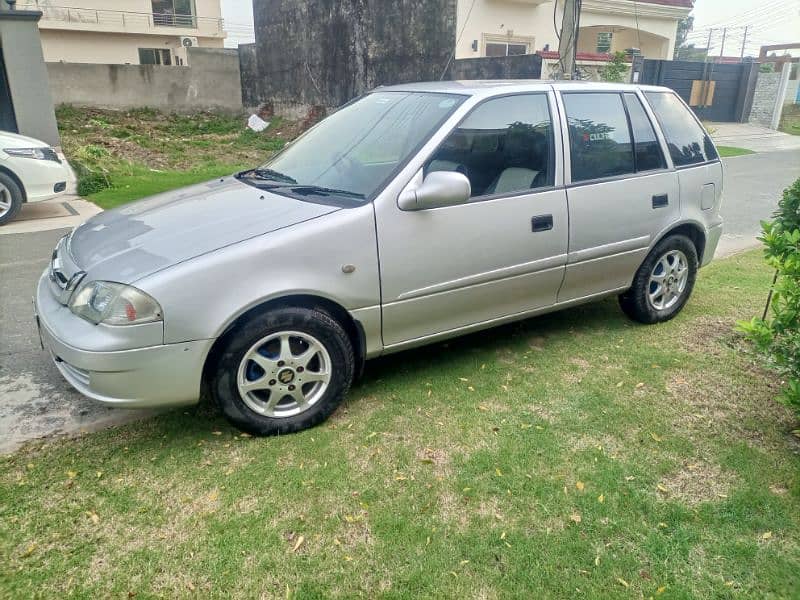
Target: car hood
[(128, 243), (14, 140)]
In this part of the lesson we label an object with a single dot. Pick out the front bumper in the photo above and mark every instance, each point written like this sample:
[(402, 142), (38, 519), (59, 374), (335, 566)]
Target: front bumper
[(154, 376), (43, 179)]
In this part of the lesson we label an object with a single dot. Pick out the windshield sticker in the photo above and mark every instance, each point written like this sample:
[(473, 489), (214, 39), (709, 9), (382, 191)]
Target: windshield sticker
[(596, 137), (447, 103)]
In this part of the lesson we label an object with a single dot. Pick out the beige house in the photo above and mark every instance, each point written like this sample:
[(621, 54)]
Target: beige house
[(126, 31), (505, 27)]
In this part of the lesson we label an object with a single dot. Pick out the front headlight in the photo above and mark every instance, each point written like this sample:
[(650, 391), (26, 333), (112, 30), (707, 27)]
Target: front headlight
[(35, 153), (114, 304)]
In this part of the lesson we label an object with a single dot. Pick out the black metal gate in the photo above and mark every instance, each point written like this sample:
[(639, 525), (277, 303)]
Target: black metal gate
[(8, 121), (716, 92)]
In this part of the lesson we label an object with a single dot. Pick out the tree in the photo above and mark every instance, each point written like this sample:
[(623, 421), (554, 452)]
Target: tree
[(684, 51), (685, 25)]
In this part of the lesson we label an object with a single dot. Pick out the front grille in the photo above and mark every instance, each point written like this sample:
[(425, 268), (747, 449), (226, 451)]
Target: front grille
[(63, 273)]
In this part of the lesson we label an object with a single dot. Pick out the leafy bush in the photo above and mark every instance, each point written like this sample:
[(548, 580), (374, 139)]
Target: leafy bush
[(779, 336), (616, 70), (90, 181)]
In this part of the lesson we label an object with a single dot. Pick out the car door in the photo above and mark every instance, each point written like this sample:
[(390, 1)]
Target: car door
[(497, 256), (621, 191)]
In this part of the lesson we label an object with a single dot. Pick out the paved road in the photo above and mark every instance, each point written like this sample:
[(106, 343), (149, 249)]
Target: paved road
[(35, 401), (753, 185)]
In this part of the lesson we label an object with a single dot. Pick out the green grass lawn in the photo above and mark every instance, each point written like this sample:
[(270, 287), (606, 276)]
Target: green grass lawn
[(790, 119), (122, 156), (135, 186), (727, 151), (572, 455)]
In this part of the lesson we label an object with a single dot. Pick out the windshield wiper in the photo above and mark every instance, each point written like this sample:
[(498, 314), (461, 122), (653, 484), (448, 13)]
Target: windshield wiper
[(268, 175), (316, 190)]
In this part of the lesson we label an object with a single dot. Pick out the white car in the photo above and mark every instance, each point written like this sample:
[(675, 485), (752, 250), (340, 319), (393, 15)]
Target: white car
[(30, 171)]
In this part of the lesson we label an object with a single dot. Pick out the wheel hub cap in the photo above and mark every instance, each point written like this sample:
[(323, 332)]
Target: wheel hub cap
[(286, 376)]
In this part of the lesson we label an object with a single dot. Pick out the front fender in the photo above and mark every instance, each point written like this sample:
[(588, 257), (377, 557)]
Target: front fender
[(203, 296)]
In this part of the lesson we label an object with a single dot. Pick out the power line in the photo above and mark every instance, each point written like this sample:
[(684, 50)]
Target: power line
[(762, 8)]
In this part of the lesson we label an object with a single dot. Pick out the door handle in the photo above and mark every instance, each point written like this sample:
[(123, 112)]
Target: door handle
[(542, 223), (660, 200)]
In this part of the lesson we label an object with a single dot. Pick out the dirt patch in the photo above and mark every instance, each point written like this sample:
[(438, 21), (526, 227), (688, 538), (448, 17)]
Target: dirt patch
[(540, 412), (537, 343), (710, 335), (697, 481), (710, 406), (608, 445), (438, 458)]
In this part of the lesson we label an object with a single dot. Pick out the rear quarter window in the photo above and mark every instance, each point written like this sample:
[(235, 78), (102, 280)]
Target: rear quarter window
[(688, 142)]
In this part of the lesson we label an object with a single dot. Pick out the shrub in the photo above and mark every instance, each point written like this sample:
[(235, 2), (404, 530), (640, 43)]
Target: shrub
[(779, 336), (90, 181), (616, 70)]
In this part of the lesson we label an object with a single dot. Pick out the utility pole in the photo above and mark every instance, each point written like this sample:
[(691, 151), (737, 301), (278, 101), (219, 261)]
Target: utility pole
[(744, 40), (708, 43), (568, 43), (722, 48)]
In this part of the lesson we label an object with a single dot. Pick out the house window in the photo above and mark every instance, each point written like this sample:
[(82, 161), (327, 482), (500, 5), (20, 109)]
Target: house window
[(506, 49), (604, 42), (174, 13), (155, 56)]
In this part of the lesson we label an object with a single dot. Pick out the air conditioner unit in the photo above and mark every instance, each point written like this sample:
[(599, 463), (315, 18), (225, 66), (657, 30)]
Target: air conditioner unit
[(189, 42)]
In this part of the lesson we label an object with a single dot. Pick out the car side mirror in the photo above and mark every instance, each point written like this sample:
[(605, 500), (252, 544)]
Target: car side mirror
[(440, 188)]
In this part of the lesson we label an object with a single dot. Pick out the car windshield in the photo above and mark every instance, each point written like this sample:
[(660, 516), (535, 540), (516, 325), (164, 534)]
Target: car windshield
[(350, 154)]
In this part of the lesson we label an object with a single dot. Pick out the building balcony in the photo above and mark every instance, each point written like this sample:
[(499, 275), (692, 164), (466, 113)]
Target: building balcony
[(119, 21)]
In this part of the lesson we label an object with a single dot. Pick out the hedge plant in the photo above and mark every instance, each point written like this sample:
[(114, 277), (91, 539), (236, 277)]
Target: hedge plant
[(778, 335)]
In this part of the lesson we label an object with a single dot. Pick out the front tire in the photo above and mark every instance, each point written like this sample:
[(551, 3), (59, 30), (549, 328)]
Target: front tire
[(663, 283), (283, 371), (10, 198)]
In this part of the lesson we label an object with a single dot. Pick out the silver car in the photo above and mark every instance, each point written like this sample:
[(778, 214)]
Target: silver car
[(413, 214)]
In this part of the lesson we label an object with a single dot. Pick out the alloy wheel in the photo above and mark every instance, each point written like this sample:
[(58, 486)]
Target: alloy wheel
[(284, 374), (5, 200), (668, 280)]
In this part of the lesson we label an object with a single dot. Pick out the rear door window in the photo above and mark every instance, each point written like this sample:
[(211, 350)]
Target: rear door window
[(649, 156), (688, 143), (599, 136)]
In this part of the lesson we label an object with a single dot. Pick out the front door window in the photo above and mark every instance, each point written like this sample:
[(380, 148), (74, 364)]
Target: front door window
[(504, 146)]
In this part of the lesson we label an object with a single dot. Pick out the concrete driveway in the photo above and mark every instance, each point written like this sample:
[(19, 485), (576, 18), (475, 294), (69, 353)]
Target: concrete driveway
[(752, 137), (37, 402), (34, 399)]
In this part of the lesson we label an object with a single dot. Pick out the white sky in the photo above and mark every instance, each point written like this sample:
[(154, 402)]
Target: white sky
[(771, 22), (238, 15)]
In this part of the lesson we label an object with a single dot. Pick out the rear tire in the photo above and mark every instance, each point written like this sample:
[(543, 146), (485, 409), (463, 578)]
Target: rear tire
[(663, 283), (10, 198), (283, 371)]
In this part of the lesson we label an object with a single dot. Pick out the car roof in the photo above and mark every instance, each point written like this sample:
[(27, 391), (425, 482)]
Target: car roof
[(492, 87)]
